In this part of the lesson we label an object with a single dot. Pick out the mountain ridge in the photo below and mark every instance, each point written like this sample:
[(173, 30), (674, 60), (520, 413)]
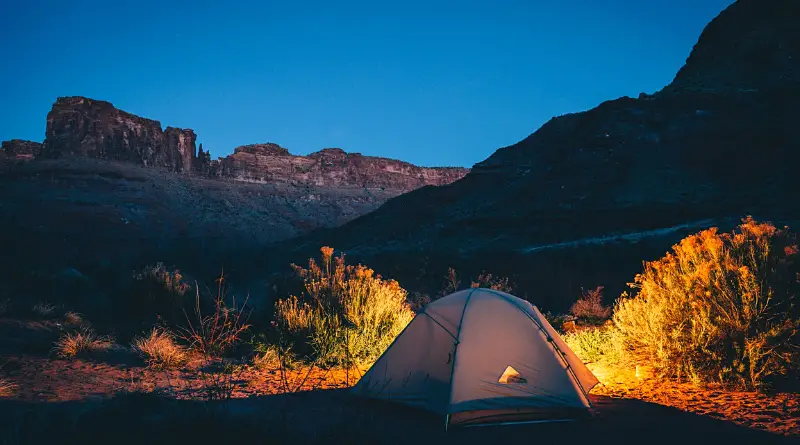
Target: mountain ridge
[(714, 145)]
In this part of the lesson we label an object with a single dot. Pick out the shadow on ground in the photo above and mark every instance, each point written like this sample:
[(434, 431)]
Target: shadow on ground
[(332, 416)]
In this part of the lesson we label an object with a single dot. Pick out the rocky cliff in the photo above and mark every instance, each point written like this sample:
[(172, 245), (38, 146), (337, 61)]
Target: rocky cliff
[(96, 129), (20, 149), (78, 126), (587, 197), (331, 167)]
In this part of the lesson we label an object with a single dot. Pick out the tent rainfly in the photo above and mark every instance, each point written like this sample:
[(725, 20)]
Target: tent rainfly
[(481, 356)]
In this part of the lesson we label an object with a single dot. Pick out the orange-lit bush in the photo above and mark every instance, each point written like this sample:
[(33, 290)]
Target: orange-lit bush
[(348, 314), (590, 308), (719, 307)]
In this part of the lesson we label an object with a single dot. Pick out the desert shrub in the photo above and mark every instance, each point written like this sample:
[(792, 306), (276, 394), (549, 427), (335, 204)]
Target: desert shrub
[(160, 350), (595, 344), (347, 314), (451, 283), (484, 280), (589, 308), (44, 309), (558, 320), (73, 319), (719, 307), (155, 295), (215, 332), (266, 357), (489, 281), (418, 300), (83, 342), (161, 278)]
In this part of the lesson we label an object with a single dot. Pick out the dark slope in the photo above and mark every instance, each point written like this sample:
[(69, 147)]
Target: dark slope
[(587, 197)]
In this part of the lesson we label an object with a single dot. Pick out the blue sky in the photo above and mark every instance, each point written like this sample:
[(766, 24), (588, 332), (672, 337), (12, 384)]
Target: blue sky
[(429, 82)]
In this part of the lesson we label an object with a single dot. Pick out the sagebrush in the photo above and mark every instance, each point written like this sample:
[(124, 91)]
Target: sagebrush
[(719, 307), (595, 344), (347, 314), (589, 308)]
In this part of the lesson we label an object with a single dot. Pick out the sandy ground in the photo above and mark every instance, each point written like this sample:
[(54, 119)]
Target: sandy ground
[(777, 412), (626, 408)]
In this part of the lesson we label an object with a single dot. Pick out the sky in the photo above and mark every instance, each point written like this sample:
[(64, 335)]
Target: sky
[(435, 83)]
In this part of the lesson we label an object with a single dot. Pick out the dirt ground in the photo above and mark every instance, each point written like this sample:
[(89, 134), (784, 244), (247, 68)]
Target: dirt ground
[(316, 408)]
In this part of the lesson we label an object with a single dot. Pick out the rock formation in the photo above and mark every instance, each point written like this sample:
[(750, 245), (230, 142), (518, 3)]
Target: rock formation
[(93, 128), (331, 167), (78, 126), (20, 149)]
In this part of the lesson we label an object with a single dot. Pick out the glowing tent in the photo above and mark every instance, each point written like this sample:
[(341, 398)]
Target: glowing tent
[(482, 356)]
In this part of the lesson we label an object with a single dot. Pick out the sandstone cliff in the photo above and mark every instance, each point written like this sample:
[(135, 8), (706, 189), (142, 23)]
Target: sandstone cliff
[(94, 128), (331, 167), (78, 126)]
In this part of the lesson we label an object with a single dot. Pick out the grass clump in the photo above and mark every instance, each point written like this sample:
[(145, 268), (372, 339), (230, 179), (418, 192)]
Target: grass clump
[(347, 314), (44, 309), (83, 342), (718, 308), (72, 318), (7, 389), (160, 350)]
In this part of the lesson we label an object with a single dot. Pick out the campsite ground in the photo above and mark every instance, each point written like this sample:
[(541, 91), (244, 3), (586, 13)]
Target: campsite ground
[(85, 400)]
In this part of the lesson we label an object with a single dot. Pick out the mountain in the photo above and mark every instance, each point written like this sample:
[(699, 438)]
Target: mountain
[(109, 191), (586, 198)]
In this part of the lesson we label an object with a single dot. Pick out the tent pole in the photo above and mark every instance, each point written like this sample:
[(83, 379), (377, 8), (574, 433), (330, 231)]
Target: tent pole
[(455, 353)]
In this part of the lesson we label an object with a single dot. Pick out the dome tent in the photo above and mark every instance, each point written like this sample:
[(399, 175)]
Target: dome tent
[(481, 356)]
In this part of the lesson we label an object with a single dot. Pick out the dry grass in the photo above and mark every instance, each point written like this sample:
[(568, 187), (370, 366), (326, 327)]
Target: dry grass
[(74, 319), (719, 308), (159, 350), (160, 276), (488, 281), (80, 343), (267, 359), (7, 389), (212, 335), (44, 309), (347, 315)]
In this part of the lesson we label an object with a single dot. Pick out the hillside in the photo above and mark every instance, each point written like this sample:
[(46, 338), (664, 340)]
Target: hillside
[(587, 197)]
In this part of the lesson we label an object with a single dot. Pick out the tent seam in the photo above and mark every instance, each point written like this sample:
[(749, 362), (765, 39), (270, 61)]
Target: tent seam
[(439, 324), (455, 356)]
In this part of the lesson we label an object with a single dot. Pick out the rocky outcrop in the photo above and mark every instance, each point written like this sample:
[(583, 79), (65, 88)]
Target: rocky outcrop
[(79, 126), (331, 167), (20, 149), (587, 197)]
